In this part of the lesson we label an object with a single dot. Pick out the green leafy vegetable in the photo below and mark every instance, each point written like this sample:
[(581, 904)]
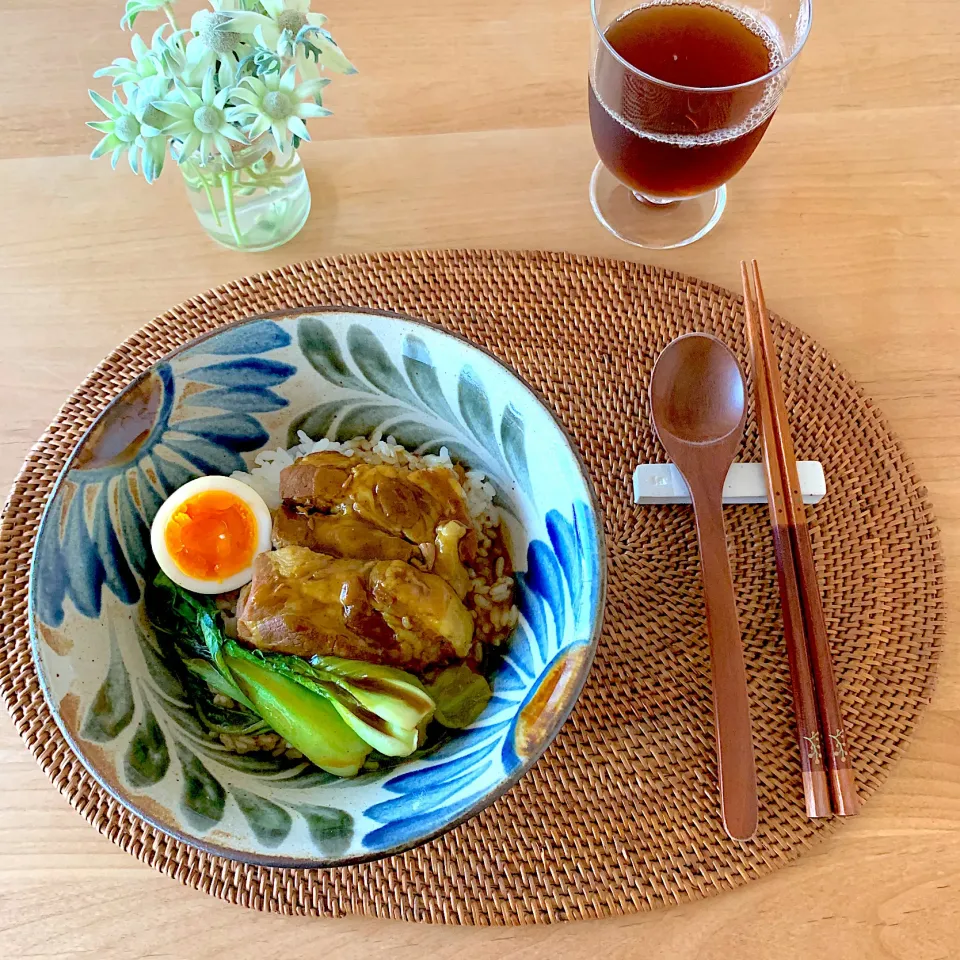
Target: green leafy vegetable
[(301, 717), (330, 709), (192, 621), (460, 695), (382, 705)]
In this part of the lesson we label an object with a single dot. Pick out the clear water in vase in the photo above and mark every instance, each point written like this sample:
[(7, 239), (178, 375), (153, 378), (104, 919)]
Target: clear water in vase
[(260, 202)]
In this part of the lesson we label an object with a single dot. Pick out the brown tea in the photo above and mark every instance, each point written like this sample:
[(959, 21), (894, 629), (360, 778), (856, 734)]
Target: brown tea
[(664, 139)]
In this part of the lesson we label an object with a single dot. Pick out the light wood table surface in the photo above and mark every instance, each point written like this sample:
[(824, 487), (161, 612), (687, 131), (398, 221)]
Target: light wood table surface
[(467, 127)]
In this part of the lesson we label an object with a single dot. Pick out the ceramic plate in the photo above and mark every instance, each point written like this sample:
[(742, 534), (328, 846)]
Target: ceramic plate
[(208, 409)]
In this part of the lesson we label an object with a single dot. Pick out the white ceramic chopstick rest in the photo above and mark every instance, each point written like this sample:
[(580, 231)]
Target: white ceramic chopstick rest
[(745, 483)]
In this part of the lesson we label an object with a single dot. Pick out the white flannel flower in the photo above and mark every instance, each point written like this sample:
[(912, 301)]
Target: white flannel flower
[(128, 129), (199, 120), (288, 28), (278, 104)]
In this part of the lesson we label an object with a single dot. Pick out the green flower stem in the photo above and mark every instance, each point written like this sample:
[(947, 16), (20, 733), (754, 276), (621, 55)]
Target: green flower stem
[(205, 183), (226, 182)]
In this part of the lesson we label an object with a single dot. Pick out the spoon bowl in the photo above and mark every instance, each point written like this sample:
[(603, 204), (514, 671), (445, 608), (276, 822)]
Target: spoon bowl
[(698, 391)]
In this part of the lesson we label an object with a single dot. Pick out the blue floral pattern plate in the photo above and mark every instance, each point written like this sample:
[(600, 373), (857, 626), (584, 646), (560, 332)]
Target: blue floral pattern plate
[(209, 408)]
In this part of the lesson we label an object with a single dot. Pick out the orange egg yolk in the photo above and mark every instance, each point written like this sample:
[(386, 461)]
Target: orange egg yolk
[(212, 536)]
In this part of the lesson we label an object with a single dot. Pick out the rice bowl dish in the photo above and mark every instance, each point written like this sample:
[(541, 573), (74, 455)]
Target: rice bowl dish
[(175, 743)]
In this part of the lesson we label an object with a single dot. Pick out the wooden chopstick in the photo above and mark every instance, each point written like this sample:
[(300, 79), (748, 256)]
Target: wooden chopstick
[(839, 770), (816, 789)]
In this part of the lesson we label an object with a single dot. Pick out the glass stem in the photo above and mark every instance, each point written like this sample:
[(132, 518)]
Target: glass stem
[(226, 183)]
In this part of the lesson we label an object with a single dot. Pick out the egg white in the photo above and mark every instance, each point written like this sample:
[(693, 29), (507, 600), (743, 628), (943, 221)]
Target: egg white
[(261, 517)]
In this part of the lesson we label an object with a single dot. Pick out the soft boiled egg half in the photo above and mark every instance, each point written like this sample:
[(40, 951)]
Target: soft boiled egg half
[(206, 534)]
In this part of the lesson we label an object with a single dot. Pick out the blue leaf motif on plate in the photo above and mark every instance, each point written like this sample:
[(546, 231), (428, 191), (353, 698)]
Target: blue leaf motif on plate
[(259, 336), (251, 372), (544, 577), (320, 348), (548, 651), (430, 797), (418, 415), (423, 378), (117, 573), (375, 364), (566, 545), (145, 445), (585, 525), (237, 431), (513, 438), (242, 399), (475, 409)]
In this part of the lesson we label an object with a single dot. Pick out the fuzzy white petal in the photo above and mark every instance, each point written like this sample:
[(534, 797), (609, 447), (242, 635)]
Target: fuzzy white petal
[(311, 88), (223, 145), (242, 21), (288, 81), (308, 110), (298, 128), (190, 144), (108, 143), (105, 105), (179, 111), (260, 126), (231, 133), (207, 91)]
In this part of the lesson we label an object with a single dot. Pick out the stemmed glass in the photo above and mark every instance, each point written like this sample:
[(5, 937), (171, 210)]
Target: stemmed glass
[(681, 92)]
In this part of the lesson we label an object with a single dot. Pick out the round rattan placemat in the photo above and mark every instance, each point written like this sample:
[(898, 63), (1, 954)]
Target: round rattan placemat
[(621, 813)]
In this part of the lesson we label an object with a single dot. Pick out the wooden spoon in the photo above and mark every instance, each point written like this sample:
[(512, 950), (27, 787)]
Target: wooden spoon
[(698, 405)]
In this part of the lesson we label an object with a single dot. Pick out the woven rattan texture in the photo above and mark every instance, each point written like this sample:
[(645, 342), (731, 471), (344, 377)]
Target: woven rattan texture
[(621, 813)]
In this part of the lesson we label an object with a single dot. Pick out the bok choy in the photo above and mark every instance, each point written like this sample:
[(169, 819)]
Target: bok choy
[(333, 711)]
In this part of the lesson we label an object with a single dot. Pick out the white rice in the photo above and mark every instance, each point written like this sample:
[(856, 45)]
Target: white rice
[(265, 476)]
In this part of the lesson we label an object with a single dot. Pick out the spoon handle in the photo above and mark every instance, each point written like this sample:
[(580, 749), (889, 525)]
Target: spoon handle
[(731, 710)]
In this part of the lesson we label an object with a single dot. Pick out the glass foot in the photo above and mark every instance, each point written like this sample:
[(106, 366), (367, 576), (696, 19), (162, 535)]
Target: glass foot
[(656, 225)]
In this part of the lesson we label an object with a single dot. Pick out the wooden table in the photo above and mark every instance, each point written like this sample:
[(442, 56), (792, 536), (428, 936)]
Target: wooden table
[(467, 127)]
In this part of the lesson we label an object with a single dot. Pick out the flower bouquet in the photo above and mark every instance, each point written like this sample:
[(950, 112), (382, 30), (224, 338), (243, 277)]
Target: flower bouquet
[(229, 98)]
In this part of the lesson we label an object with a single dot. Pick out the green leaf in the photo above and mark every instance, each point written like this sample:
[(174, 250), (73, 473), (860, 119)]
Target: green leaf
[(112, 707), (390, 693), (514, 447), (322, 352), (388, 738), (147, 758), (461, 696), (191, 624), (331, 830), (270, 823), (110, 109), (203, 796)]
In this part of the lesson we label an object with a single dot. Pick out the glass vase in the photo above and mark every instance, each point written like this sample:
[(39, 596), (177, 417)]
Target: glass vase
[(259, 202)]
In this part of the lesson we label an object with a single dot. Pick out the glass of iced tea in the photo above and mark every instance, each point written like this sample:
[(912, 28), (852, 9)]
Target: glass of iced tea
[(681, 92)]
